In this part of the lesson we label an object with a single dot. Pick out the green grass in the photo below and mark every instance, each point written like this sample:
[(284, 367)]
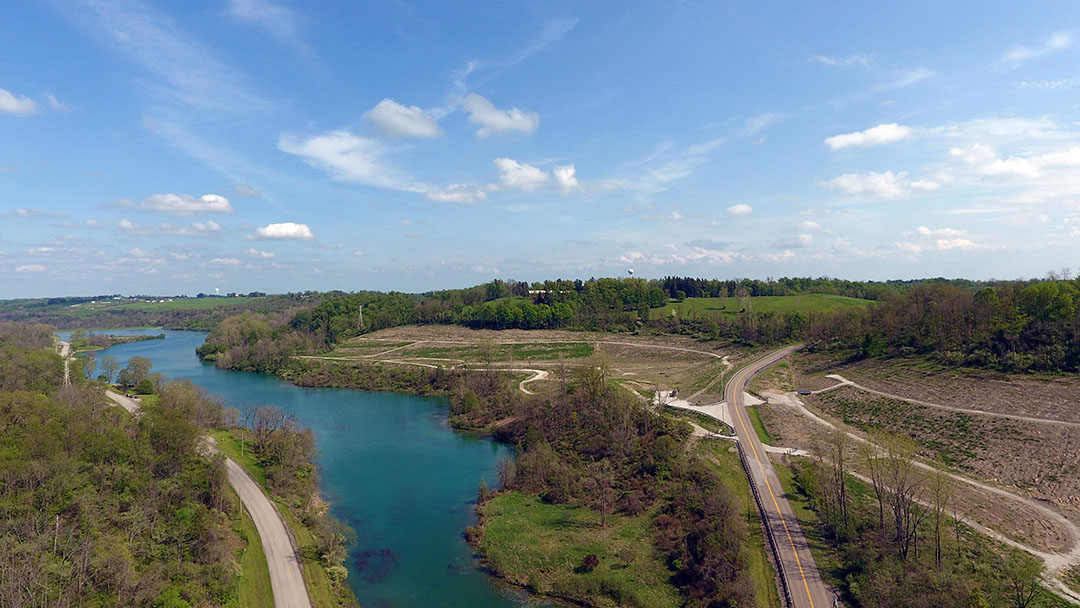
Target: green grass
[(759, 426), (540, 546), (827, 562), (723, 458), (253, 587), (704, 307), (319, 587)]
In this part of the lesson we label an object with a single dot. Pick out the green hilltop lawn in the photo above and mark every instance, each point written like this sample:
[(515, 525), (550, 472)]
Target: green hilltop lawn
[(806, 303)]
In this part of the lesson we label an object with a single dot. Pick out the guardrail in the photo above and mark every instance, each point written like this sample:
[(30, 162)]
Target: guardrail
[(765, 524)]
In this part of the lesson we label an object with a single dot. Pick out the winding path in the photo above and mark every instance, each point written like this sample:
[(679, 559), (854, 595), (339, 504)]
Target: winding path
[(845, 382), (282, 557)]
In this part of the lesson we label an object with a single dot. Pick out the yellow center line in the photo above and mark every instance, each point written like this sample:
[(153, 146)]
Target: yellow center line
[(738, 383)]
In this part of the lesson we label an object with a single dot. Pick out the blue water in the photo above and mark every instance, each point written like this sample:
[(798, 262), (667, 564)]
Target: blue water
[(391, 468)]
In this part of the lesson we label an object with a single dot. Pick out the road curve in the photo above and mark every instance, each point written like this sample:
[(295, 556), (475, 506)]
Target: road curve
[(800, 572), (286, 578)]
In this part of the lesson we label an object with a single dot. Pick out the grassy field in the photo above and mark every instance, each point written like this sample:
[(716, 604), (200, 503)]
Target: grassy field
[(721, 455), (808, 303), (542, 546), (318, 583)]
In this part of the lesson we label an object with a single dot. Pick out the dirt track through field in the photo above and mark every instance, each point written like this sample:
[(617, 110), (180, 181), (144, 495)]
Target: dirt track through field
[(1054, 561), (845, 382)]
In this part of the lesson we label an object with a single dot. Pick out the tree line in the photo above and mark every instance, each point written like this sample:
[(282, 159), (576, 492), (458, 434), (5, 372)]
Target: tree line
[(1010, 326)]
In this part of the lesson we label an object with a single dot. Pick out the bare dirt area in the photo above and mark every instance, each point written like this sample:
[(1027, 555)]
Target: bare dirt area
[(642, 362), (1012, 518), (1039, 458), (1050, 397)]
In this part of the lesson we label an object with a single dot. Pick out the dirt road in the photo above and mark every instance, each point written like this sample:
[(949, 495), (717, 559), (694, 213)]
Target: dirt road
[(798, 569), (286, 579)]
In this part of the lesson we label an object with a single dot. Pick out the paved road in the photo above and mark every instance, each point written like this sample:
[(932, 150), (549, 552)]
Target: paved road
[(286, 579), (801, 574)]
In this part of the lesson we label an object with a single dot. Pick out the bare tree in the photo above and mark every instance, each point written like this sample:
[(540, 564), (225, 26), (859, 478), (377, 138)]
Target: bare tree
[(600, 486), (941, 491)]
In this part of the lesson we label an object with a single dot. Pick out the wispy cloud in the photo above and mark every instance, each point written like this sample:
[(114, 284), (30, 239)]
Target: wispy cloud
[(1056, 42), (858, 60), (760, 122), (279, 21), (185, 204), (183, 69)]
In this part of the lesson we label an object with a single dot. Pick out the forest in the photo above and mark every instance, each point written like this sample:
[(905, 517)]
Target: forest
[(98, 508)]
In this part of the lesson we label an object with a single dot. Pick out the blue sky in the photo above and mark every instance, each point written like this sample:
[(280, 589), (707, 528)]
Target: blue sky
[(279, 146)]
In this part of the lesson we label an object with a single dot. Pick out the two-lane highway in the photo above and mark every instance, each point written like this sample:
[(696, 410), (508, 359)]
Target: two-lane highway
[(801, 575)]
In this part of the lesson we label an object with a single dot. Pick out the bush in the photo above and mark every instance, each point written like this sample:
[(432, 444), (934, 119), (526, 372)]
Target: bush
[(146, 387), (589, 563)]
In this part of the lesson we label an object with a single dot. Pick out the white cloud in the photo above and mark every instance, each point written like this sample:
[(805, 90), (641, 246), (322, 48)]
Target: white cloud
[(456, 193), (809, 225), (184, 204), (740, 209), (1011, 168), (225, 262), (962, 244), (345, 156), (285, 230), (513, 174), (138, 253), (874, 136), (30, 268), (392, 118), (566, 177), (195, 229), (1056, 42), (261, 255), (496, 121), (675, 215), (944, 232), (806, 240), (887, 185), (11, 104), (860, 60)]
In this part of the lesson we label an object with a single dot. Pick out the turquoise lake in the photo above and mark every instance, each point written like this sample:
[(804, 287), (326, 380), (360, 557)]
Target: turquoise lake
[(391, 467)]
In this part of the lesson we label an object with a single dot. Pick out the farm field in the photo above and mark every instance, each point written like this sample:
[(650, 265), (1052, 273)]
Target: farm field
[(807, 303), (641, 363)]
